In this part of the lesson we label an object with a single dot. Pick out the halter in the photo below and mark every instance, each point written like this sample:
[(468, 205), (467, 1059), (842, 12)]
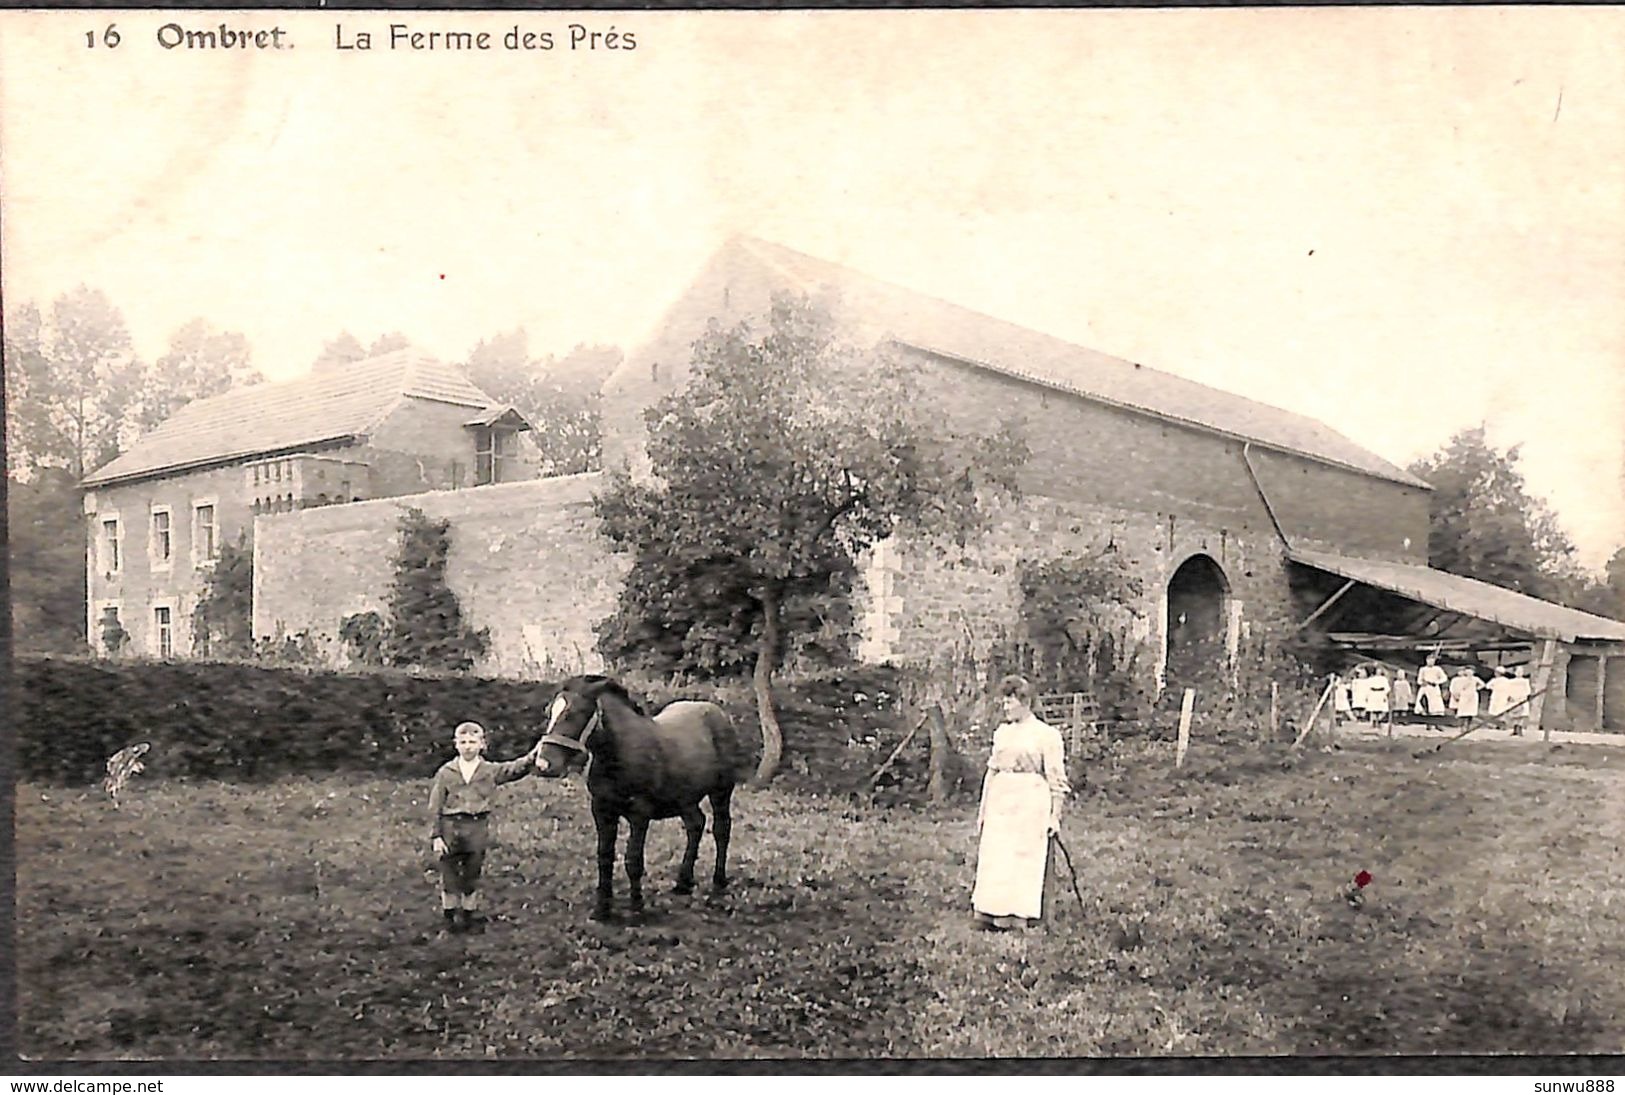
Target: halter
[(579, 745)]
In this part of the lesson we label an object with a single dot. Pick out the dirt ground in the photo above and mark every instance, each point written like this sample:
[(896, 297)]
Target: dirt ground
[(297, 920)]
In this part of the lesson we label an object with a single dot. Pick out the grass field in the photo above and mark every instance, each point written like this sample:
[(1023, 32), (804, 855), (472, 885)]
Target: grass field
[(297, 921)]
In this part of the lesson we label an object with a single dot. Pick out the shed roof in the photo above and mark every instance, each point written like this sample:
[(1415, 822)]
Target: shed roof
[(939, 327), (1468, 596), (324, 406)]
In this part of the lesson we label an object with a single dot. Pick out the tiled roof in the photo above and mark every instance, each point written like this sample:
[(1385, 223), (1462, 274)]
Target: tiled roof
[(936, 326), (328, 405), (1468, 596)]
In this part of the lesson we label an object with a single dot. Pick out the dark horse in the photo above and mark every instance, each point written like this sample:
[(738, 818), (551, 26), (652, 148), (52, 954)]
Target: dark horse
[(644, 769)]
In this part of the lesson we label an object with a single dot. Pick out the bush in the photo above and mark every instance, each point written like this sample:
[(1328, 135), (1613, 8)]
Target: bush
[(225, 720)]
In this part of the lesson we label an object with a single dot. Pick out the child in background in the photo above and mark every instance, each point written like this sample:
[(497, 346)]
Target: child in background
[(1360, 693), (460, 804), (1402, 697), (1518, 696), (1464, 688), (1376, 695)]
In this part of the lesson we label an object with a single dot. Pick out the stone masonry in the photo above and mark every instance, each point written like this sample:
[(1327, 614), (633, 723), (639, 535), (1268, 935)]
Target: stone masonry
[(526, 561)]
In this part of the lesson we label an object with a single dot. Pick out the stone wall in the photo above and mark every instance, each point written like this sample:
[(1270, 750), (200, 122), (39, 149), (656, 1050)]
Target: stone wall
[(915, 599), (526, 561)]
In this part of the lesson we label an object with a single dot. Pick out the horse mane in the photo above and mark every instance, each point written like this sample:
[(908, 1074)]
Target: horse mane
[(599, 685)]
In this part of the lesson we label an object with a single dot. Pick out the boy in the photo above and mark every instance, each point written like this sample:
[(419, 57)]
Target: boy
[(459, 805)]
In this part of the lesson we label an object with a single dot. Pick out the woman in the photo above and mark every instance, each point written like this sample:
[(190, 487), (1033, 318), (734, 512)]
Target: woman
[(1464, 688), (1430, 682), (1021, 807)]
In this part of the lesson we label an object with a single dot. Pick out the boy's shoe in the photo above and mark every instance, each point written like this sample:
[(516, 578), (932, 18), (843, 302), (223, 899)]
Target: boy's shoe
[(461, 923), (451, 920), (476, 923)]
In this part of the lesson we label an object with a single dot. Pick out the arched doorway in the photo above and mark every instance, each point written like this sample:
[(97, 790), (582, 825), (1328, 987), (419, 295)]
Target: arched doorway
[(1198, 608)]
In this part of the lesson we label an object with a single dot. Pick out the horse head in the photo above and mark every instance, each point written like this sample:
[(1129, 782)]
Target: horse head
[(572, 719)]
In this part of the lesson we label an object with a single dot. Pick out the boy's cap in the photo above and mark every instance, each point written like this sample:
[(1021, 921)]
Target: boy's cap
[(469, 728)]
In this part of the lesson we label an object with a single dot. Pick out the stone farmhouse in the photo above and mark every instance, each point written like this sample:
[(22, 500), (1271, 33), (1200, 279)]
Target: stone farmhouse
[(398, 424), (1233, 514)]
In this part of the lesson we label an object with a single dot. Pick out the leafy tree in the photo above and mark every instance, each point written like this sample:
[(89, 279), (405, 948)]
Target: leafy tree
[(787, 456), (1485, 524), (342, 349), (114, 639), (383, 344), (559, 396), (1605, 597), (223, 619), (1614, 585), (364, 635), (426, 627), (46, 530), (1079, 629), (71, 383), (200, 362)]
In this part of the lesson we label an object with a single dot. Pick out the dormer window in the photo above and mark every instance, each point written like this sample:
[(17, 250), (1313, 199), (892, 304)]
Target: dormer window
[(496, 445), (494, 450)]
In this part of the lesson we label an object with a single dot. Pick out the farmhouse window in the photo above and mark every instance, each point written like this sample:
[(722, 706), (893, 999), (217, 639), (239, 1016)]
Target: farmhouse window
[(110, 546), (203, 532), (163, 632), (493, 447), (163, 546)]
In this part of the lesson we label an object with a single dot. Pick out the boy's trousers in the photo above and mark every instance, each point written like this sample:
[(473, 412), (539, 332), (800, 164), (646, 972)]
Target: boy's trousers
[(467, 836)]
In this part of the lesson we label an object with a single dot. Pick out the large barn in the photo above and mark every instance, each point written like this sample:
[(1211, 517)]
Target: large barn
[(1231, 513)]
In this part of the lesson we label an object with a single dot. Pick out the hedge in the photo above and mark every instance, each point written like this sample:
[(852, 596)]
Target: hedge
[(237, 721)]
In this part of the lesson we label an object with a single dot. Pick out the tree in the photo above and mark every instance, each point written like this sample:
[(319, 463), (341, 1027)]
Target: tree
[(342, 349), (787, 456), (559, 397), (200, 362), (223, 619), (1605, 597), (46, 530), (383, 344), (426, 627), (71, 381), (1484, 524)]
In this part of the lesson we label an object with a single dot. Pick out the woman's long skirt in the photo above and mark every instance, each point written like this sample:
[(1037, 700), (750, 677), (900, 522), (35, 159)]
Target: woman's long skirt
[(1013, 854)]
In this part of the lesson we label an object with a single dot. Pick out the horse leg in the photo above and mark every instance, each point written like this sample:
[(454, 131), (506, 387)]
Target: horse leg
[(634, 860), (694, 826), (721, 827), (608, 823)]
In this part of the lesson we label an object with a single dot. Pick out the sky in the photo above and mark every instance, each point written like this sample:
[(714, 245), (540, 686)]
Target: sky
[(1401, 221)]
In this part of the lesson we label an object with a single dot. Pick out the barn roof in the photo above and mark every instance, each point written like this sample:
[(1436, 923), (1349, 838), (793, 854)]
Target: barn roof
[(948, 330), (1467, 596), (325, 406)]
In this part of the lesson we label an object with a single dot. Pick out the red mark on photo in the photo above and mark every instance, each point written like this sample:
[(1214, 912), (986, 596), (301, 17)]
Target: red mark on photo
[(1363, 879)]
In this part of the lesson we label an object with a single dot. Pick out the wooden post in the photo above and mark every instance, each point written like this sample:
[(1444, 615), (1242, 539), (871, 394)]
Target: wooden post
[(1602, 678), (1275, 710), (941, 750), (1184, 726), (1543, 676), (908, 737), (1077, 721), (1310, 725)]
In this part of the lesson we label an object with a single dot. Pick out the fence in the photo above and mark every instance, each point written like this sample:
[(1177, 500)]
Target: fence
[(1073, 713)]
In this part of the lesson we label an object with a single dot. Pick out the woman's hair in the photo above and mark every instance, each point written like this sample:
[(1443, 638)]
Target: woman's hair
[(1017, 686)]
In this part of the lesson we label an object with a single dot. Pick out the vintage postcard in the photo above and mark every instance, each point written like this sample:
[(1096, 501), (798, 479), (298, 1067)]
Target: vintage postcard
[(554, 537)]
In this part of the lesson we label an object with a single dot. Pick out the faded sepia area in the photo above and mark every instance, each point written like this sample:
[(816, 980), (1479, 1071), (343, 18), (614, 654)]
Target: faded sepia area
[(955, 534)]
